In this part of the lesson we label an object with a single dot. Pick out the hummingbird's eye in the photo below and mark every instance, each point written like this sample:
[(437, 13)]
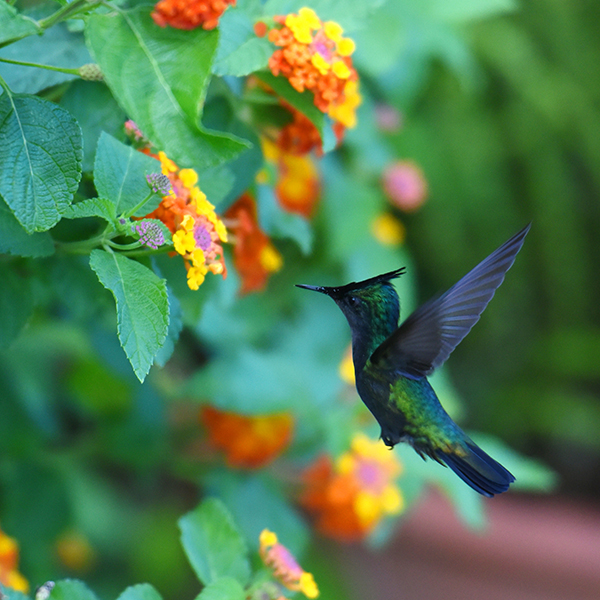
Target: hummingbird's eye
[(354, 300)]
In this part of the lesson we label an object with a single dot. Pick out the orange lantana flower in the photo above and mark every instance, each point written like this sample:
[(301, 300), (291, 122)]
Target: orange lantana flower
[(348, 497), (314, 56), (248, 442), (189, 14), (254, 255), (298, 186)]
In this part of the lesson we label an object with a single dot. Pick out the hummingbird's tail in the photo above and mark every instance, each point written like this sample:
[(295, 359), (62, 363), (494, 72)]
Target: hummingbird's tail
[(479, 470)]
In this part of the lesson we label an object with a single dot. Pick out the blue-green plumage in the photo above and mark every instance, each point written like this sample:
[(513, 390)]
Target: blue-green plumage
[(392, 363)]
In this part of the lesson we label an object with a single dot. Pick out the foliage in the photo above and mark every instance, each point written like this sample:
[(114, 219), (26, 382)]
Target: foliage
[(109, 354)]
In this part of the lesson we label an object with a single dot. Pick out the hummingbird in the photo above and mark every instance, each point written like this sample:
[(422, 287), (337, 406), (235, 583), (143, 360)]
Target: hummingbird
[(392, 362)]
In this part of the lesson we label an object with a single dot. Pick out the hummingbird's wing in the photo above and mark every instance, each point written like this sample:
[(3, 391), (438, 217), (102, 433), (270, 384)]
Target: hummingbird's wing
[(428, 336)]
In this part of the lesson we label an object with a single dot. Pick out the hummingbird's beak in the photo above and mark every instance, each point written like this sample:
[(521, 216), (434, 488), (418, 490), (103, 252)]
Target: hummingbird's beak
[(315, 288)]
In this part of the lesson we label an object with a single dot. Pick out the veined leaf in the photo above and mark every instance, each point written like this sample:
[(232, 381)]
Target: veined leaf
[(159, 77), (92, 207), (120, 174), (142, 306), (40, 159), (214, 546), (240, 52)]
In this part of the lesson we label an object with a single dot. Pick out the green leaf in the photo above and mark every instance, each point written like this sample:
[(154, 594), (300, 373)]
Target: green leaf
[(92, 207), (159, 76), (240, 52), (16, 304), (142, 591), (15, 25), (15, 240), (120, 174), (40, 159), (57, 46), (462, 11), (142, 306), (71, 589), (214, 546), (95, 109), (224, 588), (278, 223)]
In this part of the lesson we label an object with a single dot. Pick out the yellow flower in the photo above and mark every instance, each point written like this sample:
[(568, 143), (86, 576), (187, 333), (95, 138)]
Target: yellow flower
[(388, 230), (345, 112), (333, 31), (346, 369), (345, 46), (340, 68), (270, 259), (321, 64)]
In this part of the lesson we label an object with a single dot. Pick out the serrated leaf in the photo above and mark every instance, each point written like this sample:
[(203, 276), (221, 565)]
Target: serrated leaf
[(214, 546), (16, 305), (16, 241), (142, 591), (240, 52), (40, 159), (71, 589), (225, 588), (159, 76), (142, 306), (120, 174), (15, 25), (92, 207)]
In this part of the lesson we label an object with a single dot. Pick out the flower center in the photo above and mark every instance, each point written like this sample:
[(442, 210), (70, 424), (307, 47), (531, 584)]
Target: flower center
[(202, 237)]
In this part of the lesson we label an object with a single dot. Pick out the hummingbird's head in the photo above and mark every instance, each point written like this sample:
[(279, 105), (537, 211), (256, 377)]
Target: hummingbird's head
[(372, 303)]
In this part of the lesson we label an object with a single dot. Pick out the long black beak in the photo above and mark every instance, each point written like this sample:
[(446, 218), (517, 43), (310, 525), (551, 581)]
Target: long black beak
[(315, 288)]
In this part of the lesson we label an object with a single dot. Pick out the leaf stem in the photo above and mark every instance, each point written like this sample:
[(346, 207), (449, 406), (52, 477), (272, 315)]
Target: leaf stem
[(139, 205), (39, 66)]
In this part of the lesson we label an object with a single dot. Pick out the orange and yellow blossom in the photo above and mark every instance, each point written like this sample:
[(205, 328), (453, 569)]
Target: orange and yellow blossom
[(249, 442), (284, 566), (189, 14), (348, 497), (298, 185), (197, 230), (315, 56), (9, 564)]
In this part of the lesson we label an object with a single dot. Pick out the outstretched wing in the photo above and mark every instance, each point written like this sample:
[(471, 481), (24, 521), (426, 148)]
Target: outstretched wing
[(426, 339)]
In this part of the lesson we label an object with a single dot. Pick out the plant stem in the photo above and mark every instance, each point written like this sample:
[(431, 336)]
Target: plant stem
[(39, 66)]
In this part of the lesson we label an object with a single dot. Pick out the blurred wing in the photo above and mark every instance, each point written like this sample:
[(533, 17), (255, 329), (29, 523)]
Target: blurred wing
[(426, 339)]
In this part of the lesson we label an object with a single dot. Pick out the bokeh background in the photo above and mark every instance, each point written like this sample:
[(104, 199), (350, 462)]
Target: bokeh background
[(494, 107)]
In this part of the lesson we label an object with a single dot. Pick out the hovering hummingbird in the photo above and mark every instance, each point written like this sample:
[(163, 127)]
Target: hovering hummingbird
[(392, 363)]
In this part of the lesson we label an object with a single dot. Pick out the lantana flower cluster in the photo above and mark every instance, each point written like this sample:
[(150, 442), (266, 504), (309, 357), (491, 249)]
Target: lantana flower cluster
[(348, 497), (197, 230), (189, 14), (315, 56), (284, 566)]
